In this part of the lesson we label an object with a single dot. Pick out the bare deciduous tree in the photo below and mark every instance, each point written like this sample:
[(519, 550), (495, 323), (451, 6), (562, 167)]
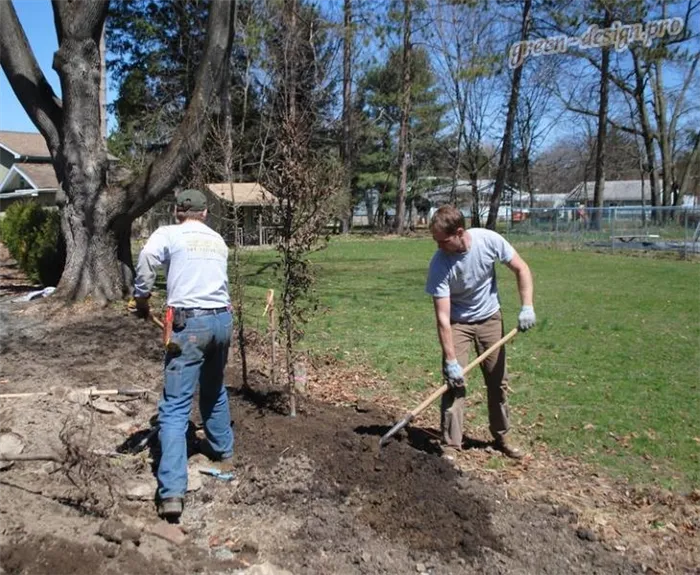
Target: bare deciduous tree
[(303, 176), (499, 184)]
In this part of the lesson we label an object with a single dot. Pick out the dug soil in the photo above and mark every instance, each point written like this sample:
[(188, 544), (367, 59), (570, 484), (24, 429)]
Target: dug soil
[(310, 494)]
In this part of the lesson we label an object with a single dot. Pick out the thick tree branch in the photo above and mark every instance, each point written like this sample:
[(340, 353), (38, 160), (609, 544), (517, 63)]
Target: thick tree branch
[(79, 20), (27, 80), (678, 109), (162, 174), (692, 160)]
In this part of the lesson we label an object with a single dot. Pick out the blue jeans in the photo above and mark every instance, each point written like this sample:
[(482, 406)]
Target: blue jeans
[(204, 343)]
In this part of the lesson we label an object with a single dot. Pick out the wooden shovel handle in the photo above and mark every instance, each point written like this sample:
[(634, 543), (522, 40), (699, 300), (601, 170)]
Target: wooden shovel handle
[(26, 394), (438, 392)]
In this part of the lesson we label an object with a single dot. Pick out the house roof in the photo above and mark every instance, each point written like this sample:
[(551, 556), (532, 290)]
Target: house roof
[(463, 190), (614, 191), (541, 200), (42, 176), (25, 193), (30, 144), (38, 176), (242, 193)]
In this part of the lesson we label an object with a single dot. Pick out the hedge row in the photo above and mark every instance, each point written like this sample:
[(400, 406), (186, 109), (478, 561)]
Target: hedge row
[(33, 236)]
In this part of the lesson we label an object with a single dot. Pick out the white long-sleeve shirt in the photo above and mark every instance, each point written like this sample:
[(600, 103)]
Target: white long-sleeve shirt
[(196, 260)]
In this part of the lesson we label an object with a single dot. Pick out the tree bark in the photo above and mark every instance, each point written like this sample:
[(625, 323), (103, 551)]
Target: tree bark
[(599, 187), (664, 141), (85, 206), (405, 116), (501, 173), (347, 145), (460, 104), (686, 177), (647, 132)]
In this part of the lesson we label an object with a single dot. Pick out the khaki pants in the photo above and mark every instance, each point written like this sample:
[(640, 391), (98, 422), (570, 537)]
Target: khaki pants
[(481, 336)]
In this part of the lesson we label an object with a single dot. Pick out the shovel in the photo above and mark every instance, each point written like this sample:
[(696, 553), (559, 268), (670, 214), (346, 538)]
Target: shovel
[(81, 396), (411, 415)]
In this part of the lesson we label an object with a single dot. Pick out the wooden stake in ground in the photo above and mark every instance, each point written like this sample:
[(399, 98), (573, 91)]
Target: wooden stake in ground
[(272, 328)]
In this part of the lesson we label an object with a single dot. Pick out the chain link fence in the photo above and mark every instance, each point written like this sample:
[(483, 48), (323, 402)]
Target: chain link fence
[(666, 229)]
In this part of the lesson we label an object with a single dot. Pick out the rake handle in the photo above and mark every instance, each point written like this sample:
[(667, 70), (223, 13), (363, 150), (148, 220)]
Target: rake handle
[(438, 392)]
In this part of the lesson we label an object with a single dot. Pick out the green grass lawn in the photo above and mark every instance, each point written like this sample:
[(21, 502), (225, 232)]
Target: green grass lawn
[(610, 373)]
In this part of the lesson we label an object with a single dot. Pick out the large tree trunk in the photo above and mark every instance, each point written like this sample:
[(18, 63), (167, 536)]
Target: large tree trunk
[(347, 146), (96, 218), (500, 183), (405, 117), (599, 187), (86, 211), (664, 140), (647, 132), (693, 158)]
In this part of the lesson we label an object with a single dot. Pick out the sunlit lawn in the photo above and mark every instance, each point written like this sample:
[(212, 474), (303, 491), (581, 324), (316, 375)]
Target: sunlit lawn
[(610, 373)]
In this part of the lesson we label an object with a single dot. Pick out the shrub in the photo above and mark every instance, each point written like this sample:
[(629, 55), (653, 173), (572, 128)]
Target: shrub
[(33, 236)]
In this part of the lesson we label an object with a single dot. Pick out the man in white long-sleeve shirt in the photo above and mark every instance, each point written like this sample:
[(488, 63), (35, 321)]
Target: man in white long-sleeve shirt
[(196, 259)]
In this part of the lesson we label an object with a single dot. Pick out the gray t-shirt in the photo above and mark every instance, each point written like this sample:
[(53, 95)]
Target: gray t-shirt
[(469, 278)]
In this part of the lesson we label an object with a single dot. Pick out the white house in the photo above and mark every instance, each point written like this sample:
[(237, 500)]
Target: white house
[(615, 193), (26, 170)]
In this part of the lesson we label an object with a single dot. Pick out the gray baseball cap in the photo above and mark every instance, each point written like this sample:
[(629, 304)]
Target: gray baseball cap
[(191, 200)]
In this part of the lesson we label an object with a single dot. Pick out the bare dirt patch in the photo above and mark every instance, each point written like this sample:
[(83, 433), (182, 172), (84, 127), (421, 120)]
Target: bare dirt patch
[(311, 494), (13, 283)]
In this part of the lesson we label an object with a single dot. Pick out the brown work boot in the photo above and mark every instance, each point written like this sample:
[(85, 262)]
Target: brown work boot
[(449, 453), (507, 449)]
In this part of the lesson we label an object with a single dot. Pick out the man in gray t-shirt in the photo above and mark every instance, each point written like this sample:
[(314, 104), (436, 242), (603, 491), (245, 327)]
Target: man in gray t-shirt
[(462, 281)]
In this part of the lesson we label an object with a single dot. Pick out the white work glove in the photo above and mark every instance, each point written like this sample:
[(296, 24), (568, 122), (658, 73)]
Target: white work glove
[(526, 319), (453, 374)]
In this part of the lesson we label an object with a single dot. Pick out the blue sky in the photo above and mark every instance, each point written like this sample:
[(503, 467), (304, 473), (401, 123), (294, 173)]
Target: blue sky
[(36, 17)]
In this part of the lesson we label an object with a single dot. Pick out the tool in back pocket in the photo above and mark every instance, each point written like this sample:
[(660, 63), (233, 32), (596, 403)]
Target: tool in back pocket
[(170, 315)]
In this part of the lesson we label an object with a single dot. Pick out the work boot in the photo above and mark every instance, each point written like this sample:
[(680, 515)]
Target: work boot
[(507, 449), (449, 453), (206, 449), (170, 508)]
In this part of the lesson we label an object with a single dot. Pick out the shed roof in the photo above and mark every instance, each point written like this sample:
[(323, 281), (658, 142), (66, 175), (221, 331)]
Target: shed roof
[(242, 193)]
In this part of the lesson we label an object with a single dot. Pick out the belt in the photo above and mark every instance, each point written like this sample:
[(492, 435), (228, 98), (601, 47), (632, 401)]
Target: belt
[(197, 311)]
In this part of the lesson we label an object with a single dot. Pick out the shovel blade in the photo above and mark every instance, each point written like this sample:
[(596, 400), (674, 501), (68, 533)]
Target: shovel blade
[(394, 430)]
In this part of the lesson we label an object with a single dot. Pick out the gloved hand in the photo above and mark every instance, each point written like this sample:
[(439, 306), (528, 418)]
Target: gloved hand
[(453, 374), (139, 306), (526, 319)]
